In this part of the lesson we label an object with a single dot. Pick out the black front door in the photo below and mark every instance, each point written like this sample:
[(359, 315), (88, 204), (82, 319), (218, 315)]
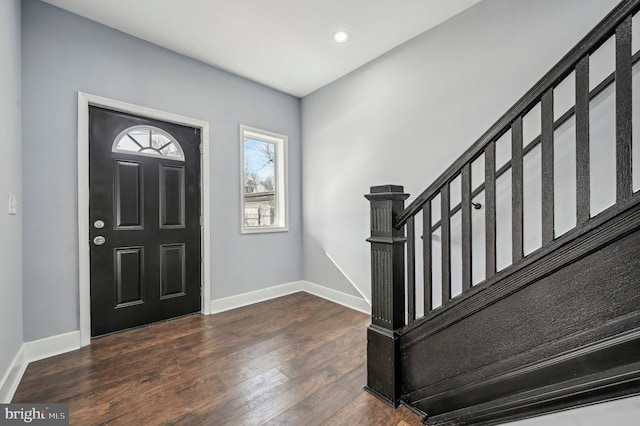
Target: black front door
[(144, 212)]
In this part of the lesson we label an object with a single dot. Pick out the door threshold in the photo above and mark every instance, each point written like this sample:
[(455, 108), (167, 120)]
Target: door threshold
[(124, 330)]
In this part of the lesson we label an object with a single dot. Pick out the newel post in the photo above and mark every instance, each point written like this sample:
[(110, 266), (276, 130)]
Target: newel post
[(387, 293)]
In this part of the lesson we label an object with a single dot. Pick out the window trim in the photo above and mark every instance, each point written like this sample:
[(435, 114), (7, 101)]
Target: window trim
[(281, 174)]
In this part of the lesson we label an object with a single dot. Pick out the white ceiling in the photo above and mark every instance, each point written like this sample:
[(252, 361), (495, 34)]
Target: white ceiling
[(284, 44)]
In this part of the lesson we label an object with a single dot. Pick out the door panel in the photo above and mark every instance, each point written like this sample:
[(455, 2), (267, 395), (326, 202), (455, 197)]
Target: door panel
[(171, 197), (148, 267), (172, 266), (129, 194), (129, 271)]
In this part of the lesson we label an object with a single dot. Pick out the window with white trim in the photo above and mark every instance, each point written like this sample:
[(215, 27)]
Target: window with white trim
[(263, 181)]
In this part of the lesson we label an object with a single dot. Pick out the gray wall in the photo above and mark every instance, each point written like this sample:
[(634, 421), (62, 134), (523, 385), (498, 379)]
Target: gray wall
[(406, 116), (64, 54), (10, 182)]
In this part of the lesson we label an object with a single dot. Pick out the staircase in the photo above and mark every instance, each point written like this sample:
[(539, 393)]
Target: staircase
[(511, 286)]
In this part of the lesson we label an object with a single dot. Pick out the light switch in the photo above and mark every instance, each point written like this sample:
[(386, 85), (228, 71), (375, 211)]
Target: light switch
[(13, 204)]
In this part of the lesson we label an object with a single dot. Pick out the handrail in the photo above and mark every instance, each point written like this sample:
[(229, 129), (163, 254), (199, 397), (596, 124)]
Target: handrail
[(591, 42), (604, 85)]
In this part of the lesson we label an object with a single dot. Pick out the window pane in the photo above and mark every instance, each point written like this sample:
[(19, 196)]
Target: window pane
[(263, 181), (148, 141), (170, 151), (126, 144), (158, 140), (140, 136), (260, 208)]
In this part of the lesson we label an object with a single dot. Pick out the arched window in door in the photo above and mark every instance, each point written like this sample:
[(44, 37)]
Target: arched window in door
[(148, 141)]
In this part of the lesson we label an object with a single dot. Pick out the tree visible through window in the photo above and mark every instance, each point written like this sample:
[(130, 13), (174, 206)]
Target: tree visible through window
[(263, 181)]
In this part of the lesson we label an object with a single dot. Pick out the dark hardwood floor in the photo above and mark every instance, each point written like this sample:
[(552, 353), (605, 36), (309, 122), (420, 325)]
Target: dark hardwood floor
[(295, 360)]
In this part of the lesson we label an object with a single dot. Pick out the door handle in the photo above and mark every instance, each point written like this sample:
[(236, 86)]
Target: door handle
[(99, 240)]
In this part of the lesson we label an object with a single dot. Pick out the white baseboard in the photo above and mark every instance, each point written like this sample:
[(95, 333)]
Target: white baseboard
[(353, 302), (246, 299), (52, 346), (35, 351), (12, 377)]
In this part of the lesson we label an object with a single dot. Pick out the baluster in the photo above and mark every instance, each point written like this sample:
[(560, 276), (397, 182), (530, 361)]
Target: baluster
[(517, 212), (490, 208), (411, 270), (426, 253), (583, 178), (466, 227), (445, 230), (547, 168), (624, 179)]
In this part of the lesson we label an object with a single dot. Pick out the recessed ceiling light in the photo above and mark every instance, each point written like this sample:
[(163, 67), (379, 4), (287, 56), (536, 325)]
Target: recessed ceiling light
[(341, 36)]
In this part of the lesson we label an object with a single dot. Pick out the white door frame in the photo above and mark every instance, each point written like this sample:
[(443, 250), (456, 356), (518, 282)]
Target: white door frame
[(84, 101)]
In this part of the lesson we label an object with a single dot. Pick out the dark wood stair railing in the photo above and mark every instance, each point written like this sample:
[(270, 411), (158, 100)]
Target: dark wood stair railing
[(413, 359)]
